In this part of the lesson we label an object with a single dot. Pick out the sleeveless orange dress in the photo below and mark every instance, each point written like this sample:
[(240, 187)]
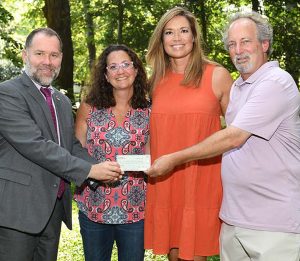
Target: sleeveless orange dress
[(182, 207)]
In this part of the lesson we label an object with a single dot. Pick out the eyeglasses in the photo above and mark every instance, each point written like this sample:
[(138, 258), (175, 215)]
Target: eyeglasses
[(116, 66), (242, 44)]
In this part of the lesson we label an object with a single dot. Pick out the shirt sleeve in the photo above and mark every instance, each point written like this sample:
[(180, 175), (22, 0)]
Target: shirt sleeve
[(264, 110)]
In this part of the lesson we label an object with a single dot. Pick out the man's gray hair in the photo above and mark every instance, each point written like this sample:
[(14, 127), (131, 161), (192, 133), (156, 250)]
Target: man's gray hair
[(264, 28)]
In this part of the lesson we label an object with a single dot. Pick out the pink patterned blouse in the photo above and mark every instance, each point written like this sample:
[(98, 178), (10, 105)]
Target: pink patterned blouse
[(122, 201)]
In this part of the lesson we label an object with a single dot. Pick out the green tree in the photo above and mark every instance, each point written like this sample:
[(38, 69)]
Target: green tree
[(90, 32), (10, 47), (285, 18), (114, 22), (98, 23)]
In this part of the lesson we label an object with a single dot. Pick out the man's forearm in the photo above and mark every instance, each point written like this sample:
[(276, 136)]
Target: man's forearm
[(216, 144)]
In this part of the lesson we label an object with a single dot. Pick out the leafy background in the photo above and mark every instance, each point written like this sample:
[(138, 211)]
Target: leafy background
[(93, 24)]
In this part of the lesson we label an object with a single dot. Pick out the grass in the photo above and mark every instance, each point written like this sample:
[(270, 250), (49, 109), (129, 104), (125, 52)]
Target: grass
[(70, 246)]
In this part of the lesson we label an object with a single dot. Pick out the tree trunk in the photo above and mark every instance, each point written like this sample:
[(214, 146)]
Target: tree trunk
[(203, 21), (90, 39), (120, 21), (57, 14), (292, 57)]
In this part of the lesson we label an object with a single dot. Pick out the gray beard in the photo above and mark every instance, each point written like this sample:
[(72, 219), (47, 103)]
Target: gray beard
[(244, 68), (43, 81)]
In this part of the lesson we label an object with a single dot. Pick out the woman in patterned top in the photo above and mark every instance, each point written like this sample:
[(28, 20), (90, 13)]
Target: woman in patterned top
[(114, 120)]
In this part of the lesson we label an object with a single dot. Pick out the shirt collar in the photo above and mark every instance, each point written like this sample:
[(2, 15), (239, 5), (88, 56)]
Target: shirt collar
[(261, 70), (39, 87)]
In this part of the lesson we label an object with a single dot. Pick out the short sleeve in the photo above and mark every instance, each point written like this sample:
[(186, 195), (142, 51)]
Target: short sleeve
[(264, 110)]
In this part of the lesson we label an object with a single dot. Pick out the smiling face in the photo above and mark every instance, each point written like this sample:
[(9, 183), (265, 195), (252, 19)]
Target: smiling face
[(121, 72), (246, 51), (178, 38), (42, 59)]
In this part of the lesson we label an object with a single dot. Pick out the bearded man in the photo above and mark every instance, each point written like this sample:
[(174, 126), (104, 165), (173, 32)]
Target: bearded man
[(39, 155)]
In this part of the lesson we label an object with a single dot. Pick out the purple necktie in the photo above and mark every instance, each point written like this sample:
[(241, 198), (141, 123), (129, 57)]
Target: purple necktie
[(48, 96)]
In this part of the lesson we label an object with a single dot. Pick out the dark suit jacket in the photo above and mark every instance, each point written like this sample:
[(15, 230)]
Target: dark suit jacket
[(31, 161)]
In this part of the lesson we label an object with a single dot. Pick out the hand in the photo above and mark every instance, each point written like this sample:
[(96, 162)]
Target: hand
[(106, 171), (161, 166)]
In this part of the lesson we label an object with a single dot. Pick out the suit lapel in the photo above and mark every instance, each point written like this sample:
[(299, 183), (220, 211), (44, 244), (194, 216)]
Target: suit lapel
[(59, 113), (38, 96)]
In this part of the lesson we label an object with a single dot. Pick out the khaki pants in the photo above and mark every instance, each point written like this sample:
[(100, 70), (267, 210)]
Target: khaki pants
[(240, 244)]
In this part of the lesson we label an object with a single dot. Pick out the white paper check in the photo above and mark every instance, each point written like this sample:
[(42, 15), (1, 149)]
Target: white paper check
[(134, 162)]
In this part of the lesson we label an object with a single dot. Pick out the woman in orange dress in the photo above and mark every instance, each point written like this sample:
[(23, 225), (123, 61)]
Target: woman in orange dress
[(189, 93)]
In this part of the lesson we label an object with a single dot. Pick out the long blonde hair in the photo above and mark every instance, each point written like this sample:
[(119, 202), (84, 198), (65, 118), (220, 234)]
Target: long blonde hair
[(159, 60)]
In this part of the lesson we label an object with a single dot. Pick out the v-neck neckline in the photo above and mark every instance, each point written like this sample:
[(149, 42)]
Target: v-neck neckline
[(121, 122)]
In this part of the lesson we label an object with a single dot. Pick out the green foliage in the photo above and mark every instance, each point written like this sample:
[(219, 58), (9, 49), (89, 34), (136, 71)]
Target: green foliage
[(8, 70), (215, 12), (138, 20), (5, 16), (32, 16), (285, 19), (10, 48)]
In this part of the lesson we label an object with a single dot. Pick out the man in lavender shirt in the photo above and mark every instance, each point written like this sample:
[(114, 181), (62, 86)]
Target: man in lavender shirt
[(261, 146)]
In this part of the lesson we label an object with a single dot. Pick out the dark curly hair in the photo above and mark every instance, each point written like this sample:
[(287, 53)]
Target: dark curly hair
[(101, 95)]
